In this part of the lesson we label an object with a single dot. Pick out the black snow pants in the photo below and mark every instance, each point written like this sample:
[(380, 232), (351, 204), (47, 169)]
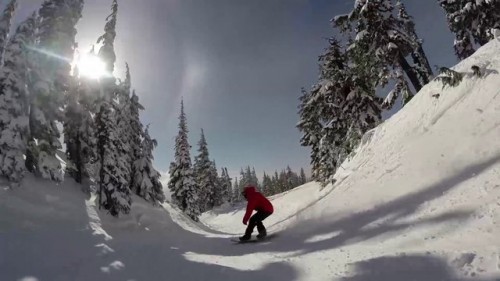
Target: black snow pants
[(256, 220)]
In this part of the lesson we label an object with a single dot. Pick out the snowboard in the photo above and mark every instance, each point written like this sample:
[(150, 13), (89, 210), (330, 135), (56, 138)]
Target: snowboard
[(254, 239)]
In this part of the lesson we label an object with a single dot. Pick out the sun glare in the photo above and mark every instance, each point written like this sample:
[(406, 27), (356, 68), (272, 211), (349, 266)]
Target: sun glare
[(91, 66)]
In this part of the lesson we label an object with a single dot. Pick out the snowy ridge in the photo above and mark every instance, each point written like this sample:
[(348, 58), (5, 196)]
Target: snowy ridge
[(419, 201)]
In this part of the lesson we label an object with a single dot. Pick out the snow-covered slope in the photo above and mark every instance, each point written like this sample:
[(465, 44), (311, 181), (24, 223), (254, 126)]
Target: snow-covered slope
[(419, 201), (421, 198)]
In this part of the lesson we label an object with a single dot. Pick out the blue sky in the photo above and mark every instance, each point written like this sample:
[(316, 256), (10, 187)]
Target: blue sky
[(239, 65)]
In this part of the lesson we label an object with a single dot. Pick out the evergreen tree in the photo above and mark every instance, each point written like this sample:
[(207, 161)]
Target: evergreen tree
[(254, 178), (421, 64), (107, 51), (229, 185), (303, 178), (114, 167), (78, 129), (276, 183), (5, 23), (56, 35), (114, 193), (243, 180), (249, 179), (472, 22), (147, 178), (182, 180), (291, 178), (225, 187), (310, 125), (339, 109), (236, 191), (206, 179), (218, 189), (267, 185), (282, 182), (387, 39), (14, 104), (122, 101), (135, 138)]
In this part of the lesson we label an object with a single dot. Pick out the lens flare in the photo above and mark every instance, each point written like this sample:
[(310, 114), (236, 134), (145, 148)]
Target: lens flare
[(91, 66)]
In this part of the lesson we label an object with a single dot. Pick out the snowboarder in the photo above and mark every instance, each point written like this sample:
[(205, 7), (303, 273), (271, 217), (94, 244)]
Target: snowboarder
[(264, 208)]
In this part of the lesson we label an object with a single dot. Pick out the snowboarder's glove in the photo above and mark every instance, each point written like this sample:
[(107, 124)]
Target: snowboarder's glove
[(245, 222)]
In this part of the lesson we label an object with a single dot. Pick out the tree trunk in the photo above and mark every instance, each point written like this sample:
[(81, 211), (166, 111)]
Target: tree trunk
[(409, 72), (78, 159), (421, 60)]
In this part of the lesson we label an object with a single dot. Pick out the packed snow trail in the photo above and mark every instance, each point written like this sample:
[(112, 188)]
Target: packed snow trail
[(54, 233), (419, 201)]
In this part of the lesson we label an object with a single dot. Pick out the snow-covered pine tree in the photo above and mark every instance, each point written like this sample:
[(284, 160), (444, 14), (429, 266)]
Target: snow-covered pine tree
[(107, 51), (147, 178), (79, 127), (421, 64), (323, 121), (113, 192), (236, 189), (135, 130), (5, 23), (310, 126), (218, 189), (282, 181), (267, 185), (244, 180), (182, 180), (225, 187), (292, 178), (206, 180), (77, 132), (117, 95), (303, 178), (276, 182), (361, 106), (254, 178), (56, 39), (229, 185), (123, 107), (472, 22), (385, 39), (340, 108), (113, 168), (14, 104)]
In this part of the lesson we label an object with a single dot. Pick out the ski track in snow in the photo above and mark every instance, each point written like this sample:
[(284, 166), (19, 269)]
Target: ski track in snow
[(418, 201)]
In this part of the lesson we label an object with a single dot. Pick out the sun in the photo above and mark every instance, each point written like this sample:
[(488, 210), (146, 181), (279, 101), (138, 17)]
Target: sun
[(91, 66)]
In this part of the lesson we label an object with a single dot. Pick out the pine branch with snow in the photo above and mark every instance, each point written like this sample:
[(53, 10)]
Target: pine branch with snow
[(5, 23), (146, 177), (449, 77), (472, 22), (386, 38)]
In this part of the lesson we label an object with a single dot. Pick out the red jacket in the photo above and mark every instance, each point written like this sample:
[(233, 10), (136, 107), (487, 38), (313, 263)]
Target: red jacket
[(256, 201)]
